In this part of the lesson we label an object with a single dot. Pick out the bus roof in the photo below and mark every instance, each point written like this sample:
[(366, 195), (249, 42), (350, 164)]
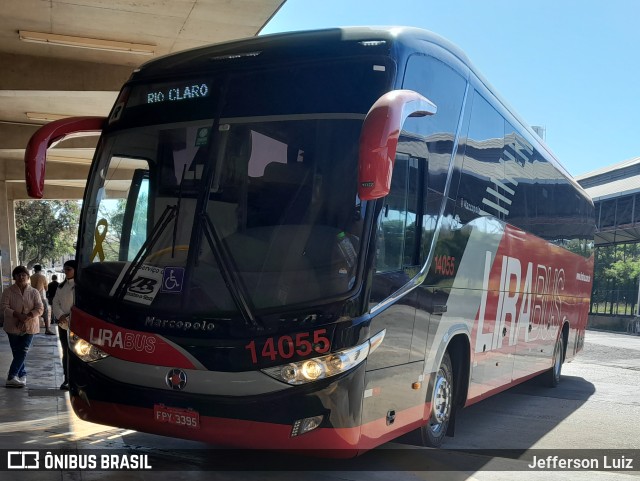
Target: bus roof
[(325, 42), (395, 41)]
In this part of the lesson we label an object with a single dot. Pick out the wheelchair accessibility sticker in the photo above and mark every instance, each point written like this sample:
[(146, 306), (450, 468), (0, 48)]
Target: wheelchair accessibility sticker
[(172, 279)]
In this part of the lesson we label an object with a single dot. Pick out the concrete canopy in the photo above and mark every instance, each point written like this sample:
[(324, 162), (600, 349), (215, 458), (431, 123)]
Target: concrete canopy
[(57, 80)]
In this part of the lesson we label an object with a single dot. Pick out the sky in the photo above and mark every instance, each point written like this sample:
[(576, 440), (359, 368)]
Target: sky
[(570, 66)]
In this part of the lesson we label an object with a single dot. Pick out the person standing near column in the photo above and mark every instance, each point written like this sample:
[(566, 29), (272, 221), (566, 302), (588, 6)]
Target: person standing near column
[(62, 302), (39, 282), (22, 307), (51, 292)]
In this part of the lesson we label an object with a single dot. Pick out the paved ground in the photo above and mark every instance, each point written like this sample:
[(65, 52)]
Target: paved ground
[(596, 406)]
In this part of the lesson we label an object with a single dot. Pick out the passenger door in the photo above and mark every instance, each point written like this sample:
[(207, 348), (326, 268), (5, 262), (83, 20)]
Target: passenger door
[(389, 400), (395, 254)]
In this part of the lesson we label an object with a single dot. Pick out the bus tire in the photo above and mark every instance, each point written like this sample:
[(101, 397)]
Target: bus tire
[(552, 376), (435, 430)]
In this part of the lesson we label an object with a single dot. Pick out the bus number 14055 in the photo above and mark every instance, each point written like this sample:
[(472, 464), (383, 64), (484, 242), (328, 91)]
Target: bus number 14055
[(285, 347)]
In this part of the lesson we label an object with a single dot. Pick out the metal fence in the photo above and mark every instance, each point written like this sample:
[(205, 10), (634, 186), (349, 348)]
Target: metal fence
[(615, 281)]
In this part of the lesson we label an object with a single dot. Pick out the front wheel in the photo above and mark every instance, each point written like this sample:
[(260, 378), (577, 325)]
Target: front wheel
[(434, 431)]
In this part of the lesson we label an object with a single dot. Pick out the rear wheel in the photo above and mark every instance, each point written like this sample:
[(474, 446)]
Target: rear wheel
[(434, 431), (552, 376)]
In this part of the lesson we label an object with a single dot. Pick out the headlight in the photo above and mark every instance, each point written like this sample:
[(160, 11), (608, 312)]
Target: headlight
[(310, 370), (85, 350)]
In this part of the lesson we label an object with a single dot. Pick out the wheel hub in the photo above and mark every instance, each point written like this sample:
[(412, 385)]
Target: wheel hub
[(441, 405)]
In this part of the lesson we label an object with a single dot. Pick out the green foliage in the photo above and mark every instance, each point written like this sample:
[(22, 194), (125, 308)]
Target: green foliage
[(623, 271), (615, 282), (579, 246), (46, 230), (618, 264)]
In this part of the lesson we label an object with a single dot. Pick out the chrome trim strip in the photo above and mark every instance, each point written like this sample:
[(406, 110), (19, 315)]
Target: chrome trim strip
[(213, 383)]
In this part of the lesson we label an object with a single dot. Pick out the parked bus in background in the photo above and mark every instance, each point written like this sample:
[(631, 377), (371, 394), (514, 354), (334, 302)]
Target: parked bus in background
[(317, 240)]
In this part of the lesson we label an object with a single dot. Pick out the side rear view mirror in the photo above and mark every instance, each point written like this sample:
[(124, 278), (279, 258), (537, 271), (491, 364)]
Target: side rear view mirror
[(379, 139)]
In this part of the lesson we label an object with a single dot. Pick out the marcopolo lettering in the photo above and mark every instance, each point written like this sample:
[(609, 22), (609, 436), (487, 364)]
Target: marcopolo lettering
[(204, 326)]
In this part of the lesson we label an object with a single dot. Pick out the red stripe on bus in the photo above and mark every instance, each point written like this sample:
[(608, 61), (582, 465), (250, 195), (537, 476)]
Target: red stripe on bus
[(499, 389), (135, 346), (347, 442)]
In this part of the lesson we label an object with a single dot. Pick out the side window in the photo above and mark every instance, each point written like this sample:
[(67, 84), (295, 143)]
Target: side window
[(483, 188), (396, 232), (445, 88), (136, 216), (519, 170), (431, 139)]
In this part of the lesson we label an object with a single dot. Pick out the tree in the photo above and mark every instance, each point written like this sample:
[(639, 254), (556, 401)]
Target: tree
[(46, 230), (623, 271), (615, 280)]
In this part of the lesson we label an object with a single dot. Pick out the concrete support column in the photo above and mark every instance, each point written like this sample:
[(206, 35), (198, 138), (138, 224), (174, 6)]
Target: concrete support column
[(13, 234), (8, 247)]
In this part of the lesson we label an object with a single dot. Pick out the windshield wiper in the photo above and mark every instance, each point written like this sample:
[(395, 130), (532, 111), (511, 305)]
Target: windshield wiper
[(169, 213), (177, 216), (205, 226), (229, 274)]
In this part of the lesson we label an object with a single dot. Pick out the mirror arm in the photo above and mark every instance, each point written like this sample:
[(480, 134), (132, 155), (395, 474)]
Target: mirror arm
[(35, 156)]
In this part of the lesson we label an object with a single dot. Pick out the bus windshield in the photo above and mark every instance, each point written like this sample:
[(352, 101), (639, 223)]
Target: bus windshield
[(264, 206)]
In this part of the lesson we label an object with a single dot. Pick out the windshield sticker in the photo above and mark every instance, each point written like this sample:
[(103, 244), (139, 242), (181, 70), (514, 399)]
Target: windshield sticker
[(117, 112), (145, 284), (172, 279), (203, 136), (100, 236)]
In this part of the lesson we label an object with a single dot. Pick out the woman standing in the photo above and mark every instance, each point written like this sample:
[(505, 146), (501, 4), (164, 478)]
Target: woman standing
[(62, 302), (22, 306)]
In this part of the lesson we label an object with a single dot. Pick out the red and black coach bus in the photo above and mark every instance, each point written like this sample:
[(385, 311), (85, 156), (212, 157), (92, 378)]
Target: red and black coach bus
[(317, 240)]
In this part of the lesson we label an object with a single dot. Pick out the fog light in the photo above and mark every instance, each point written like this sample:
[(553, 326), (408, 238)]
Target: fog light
[(305, 425), (289, 372)]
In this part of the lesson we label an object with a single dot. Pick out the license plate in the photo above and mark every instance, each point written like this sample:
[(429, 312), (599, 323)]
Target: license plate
[(178, 416)]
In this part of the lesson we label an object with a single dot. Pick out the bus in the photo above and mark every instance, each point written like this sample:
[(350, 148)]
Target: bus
[(317, 240)]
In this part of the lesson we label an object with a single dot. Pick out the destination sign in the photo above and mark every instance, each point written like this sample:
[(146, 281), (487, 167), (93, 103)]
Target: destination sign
[(160, 93), (175, 94)]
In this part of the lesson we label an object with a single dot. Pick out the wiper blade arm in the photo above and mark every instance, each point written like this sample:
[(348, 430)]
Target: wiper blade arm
[(159, 227), (231, 279), (177, 215)]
